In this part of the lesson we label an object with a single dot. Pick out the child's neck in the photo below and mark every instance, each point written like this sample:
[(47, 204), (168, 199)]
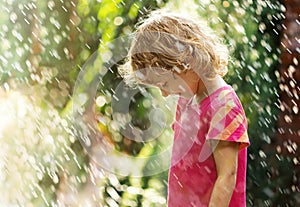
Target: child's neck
[(208, 86)]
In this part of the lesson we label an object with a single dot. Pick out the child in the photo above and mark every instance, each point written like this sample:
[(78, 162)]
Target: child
[(181, 57)]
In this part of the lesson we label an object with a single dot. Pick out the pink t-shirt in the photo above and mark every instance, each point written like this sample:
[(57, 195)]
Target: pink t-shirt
[(192, 175)]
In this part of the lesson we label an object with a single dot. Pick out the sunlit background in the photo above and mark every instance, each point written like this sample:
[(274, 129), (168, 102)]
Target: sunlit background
[(43, 47)]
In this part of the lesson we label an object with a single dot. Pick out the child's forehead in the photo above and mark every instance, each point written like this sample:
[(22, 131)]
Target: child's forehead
[(152, 71), (153, 75)]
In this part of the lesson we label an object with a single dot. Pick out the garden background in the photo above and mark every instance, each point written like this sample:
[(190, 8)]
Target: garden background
[(44, 46)]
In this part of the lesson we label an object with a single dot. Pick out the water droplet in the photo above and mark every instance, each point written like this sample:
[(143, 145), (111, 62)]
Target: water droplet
[(100, 101), (118, 21), (295, 109)]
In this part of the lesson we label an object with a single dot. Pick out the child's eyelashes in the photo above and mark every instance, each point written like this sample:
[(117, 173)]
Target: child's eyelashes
[(164, 84), (174, 76)]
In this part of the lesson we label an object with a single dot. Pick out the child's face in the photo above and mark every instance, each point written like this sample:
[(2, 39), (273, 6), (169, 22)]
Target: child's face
[(171, 83)]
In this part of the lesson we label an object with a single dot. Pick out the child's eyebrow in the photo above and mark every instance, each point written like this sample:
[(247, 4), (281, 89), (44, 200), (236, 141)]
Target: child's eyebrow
[(146, 82), (154, 83)]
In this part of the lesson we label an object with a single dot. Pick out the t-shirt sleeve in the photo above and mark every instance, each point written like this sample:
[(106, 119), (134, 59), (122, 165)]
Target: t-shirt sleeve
[(228, 123)]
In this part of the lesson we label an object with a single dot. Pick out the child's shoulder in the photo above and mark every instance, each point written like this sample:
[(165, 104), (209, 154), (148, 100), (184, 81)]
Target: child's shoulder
[(219, 96), (225, 98)]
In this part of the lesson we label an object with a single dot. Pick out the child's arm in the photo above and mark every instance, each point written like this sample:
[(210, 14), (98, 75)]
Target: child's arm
[(226, 157)]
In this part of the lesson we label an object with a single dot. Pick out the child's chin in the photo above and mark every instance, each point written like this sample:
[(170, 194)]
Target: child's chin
[(187, 96)]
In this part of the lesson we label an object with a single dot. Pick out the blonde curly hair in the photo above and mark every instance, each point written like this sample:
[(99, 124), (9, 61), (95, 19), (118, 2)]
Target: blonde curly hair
[(173, 42)]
